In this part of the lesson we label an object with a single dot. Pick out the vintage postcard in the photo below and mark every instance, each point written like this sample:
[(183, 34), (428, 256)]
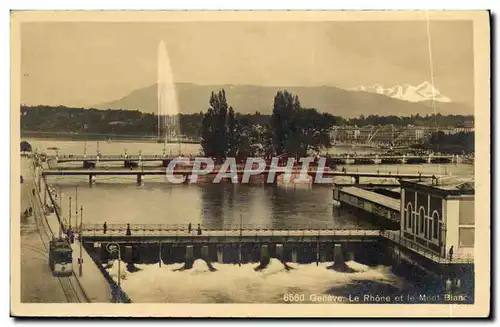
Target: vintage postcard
[(250, 164)]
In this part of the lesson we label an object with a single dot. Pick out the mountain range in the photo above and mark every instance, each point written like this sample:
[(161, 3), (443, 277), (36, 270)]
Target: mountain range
[(422, 92), (399, 101)]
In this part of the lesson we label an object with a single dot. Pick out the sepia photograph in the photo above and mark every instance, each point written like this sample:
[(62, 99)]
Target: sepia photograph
[(214, 164)]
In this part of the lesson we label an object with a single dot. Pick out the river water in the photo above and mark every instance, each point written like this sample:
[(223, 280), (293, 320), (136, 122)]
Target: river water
[(119, 201)]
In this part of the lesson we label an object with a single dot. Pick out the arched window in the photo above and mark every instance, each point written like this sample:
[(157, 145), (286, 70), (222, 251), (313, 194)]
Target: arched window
[(421, 217), (436, 233), (408, 216)]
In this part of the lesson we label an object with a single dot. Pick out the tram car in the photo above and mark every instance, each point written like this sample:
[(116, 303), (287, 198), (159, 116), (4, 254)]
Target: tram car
[(60, 257)]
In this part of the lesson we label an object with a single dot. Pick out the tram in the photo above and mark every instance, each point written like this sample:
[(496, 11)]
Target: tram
[(60, 257)]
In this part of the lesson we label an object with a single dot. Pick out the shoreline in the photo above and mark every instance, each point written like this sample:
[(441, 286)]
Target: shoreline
[(61, 136)]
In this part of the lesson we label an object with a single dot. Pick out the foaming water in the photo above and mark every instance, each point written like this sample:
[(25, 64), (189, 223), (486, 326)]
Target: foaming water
[(235, 284)]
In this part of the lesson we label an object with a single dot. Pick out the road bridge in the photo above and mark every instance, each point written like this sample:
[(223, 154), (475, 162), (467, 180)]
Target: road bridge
[(267, 173), (128, 159)]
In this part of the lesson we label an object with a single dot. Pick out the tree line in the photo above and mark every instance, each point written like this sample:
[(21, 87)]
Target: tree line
[(120, 121), (292, 130), (63, 119), (416, 120), (462, 142)]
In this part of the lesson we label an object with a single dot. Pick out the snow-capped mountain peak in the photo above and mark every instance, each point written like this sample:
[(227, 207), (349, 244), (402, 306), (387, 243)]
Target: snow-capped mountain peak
[(425, 91)]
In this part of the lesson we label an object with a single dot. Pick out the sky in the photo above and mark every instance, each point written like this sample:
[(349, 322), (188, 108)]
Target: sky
[(86, 63)]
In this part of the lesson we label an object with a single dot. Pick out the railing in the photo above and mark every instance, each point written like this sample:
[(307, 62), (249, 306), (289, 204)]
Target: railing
[(117, 293), (339, 156), (118, 156), (226, 230), (394, 236)]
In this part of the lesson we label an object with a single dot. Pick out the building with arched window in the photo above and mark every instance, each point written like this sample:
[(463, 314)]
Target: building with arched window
[(438, 214)]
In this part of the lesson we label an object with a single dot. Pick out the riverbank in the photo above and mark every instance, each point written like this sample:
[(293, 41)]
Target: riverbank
[(62, 136)]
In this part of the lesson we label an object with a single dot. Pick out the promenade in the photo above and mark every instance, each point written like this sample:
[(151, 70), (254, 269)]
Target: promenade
[(37, 283), (91, 280)]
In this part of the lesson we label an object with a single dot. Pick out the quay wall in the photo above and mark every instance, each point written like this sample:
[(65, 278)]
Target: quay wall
[(118, 295), (429, 276)]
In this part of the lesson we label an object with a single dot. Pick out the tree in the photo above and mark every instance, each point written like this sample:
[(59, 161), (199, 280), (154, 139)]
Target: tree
[(296, 130), (25, 146), (232, 134), (214, 139), (454, 143), (310, 130), (284, 106)]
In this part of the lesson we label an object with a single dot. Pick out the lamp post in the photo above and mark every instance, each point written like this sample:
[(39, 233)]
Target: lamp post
[(76, 205), (239, 243), (69, 216), (159, 253), (113, 247), (60, 213), (80, 260)]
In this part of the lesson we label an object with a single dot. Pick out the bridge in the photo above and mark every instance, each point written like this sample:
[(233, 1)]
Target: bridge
[(261, 243), (336, 159), (139, 173), (152, 233), (228, 244)]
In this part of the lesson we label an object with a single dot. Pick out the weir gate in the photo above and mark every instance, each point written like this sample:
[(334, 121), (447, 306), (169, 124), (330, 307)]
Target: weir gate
[(159, 243)]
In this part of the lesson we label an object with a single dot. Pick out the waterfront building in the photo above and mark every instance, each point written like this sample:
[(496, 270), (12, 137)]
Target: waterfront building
[(438, 214), (467, 126)]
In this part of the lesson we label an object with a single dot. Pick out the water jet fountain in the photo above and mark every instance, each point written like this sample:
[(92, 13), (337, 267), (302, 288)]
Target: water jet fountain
[(168, 105)]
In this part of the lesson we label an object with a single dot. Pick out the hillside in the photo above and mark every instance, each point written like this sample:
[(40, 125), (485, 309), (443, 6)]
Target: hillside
[(248, 99)]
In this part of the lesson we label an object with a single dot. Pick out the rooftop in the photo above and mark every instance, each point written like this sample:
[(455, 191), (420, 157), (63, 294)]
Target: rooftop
[(449, 184), (467, 124), (373, 197)]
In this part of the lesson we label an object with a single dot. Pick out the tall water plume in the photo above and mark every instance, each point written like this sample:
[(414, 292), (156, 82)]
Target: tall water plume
[(168, 105)]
